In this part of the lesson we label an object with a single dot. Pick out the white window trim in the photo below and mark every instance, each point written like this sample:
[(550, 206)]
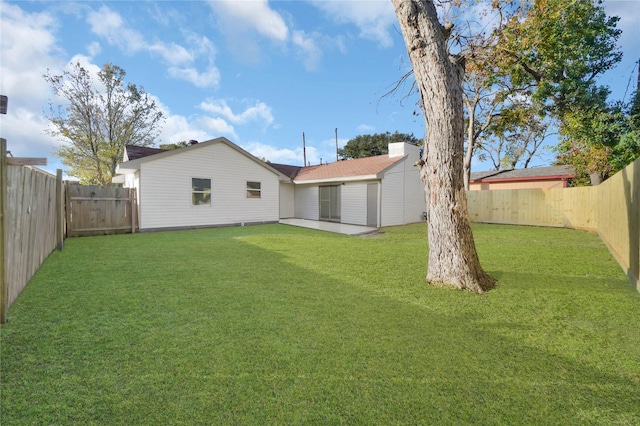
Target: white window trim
[(210, 192), (257, 191)]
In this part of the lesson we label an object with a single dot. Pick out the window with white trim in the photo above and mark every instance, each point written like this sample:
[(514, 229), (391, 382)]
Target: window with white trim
[(200, 192), (254, 190)]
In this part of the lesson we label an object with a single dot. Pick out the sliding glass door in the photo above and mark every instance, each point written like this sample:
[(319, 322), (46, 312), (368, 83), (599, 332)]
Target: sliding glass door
[(330, 203)]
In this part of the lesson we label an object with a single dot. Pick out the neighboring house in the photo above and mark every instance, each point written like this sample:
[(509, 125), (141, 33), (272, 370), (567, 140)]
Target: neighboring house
[(212, 183), (217, 183), (534, 177), (378, 191)]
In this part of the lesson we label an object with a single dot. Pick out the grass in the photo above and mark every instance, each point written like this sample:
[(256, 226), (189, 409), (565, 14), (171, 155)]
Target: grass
[(280, 325)]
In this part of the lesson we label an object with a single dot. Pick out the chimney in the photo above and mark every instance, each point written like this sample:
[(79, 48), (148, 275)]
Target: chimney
[(193, 142)]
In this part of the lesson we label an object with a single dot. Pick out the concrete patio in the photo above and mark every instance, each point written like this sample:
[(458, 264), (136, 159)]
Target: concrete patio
[(340, 228)]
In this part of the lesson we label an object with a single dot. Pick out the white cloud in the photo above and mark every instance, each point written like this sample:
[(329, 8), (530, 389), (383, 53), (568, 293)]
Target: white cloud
[(308, 49), (250, 15), (177, 129), (259, 112), (283, 155), (218, 126), (94, 48), (27, 49), (208, 78), (365, 128), (374, 19), (245, 24), (110, 26), (273, 154)]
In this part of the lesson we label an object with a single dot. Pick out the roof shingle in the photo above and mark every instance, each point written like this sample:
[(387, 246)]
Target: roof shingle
[(348, 168), (135, 152)]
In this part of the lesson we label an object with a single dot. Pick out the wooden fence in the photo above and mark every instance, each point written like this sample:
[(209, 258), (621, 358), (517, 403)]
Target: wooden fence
[(100, 210), (31, 222), (612, 209)]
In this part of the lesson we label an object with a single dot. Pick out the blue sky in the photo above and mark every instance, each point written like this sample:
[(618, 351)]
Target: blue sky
[(257, 72)]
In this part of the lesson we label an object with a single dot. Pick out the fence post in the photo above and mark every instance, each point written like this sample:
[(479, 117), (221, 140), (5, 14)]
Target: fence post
[(4, 289), (59, 210)]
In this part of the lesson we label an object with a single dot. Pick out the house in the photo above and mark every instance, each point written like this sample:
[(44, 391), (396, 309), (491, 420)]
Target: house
[(378, 191), (534, 177), (216, 183), (212, 183)]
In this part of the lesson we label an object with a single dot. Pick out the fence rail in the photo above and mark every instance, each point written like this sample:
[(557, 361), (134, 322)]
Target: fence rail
[(612, 209)]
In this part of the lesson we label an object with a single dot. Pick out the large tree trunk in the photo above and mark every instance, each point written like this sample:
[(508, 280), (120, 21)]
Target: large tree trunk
[(453, 260), (471, 130)]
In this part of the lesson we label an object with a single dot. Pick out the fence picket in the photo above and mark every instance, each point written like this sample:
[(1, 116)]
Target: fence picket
[(99, 210)]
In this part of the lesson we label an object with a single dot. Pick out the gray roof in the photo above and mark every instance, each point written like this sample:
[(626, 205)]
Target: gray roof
[(287, 170), (547, 172), (135, 152)]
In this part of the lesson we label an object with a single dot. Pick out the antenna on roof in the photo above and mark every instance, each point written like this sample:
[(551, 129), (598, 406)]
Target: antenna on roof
[(304, 151), (336, 144)]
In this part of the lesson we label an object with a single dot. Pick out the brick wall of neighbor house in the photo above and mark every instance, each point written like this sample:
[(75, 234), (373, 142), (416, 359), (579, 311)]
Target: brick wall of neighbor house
[(165, 190), (307, 202)]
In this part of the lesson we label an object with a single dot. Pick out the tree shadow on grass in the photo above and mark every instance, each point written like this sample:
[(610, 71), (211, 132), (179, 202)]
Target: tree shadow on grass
[(196, 341)]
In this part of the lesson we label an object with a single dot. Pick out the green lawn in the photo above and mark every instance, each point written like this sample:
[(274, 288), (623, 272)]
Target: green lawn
[(280, 325)]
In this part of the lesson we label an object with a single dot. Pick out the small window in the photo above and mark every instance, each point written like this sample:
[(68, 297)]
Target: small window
[(253, 190), (200, 192)]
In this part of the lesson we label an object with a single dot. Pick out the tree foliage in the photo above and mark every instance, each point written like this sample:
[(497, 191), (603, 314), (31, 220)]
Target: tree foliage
[(555, 54), (515, 137), (101, 116), (538, 59), (538, 66), (377, 144), (558, 50), (172, 146), (602, 142)]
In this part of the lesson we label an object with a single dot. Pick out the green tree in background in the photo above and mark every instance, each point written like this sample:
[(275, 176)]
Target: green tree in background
[(603, 142), (102, 114), (172, 146), (558, 51), (533, 73), (555, 54), (377, 144)]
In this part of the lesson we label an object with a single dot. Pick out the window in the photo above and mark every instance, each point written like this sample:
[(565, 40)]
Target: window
[(200, 192), (253, 190)]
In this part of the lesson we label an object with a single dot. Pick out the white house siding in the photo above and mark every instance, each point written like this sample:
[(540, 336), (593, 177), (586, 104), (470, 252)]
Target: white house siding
[(354, 203), (307, 202), (415, 197), (393, 196), (165, 189), (287, 201), (132, 180)]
